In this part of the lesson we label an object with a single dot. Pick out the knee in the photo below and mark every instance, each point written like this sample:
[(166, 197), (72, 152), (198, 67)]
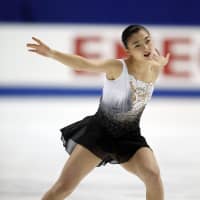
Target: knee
[(152, 175), (65, 187)]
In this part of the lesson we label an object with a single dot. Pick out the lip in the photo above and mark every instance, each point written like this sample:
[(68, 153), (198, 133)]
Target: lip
[(147, 54)]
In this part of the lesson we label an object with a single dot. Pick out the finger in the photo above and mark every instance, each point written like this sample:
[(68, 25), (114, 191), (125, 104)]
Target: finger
[(167, 56), (157, 51), (32, 50), (156, 57), (31, 45), (37, 40)]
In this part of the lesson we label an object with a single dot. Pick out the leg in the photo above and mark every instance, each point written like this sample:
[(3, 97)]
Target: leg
[(144, 165), (79, 164)]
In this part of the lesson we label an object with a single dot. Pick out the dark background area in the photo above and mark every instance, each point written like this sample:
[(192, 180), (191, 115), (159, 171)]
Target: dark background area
[(171, 12)]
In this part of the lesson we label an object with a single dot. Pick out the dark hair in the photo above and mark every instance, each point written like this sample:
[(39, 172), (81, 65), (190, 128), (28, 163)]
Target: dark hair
[(129, 30)]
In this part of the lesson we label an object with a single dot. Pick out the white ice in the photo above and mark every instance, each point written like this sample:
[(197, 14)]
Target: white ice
[(32, 155)]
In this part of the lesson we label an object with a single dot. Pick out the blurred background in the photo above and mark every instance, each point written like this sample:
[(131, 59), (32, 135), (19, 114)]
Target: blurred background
[(38, 95)]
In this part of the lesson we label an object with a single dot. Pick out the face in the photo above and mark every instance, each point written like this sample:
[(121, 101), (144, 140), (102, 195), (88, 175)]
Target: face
[(140, 46)]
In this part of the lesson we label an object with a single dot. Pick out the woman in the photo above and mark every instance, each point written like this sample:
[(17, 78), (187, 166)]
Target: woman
[(112, 134)]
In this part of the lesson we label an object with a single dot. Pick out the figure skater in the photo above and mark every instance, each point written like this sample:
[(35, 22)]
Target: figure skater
[(112, 134)]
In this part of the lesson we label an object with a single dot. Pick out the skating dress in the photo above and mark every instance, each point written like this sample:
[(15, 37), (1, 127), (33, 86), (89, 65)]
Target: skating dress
[(113, 132)]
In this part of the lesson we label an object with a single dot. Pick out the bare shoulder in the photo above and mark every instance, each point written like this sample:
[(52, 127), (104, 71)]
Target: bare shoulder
[(110, 63), (113, 68)]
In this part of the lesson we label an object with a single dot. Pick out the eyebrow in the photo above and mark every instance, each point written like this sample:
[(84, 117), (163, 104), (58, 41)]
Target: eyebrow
[(140, 40)]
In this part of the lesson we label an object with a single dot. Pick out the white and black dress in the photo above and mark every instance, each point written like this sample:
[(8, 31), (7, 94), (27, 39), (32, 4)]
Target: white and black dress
[(113, 132)]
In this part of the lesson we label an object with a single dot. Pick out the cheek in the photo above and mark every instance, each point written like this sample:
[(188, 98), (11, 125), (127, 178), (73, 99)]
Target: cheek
[(151, 45), (138, 55), (140, 52)]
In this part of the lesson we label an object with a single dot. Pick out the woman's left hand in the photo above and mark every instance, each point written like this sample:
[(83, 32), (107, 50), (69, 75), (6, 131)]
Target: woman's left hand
[(157, 60)]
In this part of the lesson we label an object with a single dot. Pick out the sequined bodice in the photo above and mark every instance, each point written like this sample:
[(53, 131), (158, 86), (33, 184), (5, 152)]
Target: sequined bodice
[(141, 93), (125, 98)]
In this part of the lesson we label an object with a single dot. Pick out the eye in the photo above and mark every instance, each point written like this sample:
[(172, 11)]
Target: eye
[(137, 45), (147, 41)]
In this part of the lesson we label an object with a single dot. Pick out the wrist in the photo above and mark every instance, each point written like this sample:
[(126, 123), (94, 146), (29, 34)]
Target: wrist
[(51, 53)]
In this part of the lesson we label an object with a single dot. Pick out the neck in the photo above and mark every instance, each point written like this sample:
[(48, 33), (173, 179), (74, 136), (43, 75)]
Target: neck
[(133, 65)]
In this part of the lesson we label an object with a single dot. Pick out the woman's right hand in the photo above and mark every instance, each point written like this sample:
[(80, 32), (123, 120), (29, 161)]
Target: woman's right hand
[(40, 48)]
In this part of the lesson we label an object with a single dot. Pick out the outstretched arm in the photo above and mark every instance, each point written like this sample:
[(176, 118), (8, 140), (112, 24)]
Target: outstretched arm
[(73, 61)]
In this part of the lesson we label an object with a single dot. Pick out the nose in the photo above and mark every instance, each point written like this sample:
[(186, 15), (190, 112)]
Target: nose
[(146, 47)]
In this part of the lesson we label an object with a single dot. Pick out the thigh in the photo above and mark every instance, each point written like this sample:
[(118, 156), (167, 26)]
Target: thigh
[(142, 163), (78, 165)]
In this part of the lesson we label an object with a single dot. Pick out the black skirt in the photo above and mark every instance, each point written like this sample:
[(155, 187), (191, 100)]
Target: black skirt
[(112, 142)]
